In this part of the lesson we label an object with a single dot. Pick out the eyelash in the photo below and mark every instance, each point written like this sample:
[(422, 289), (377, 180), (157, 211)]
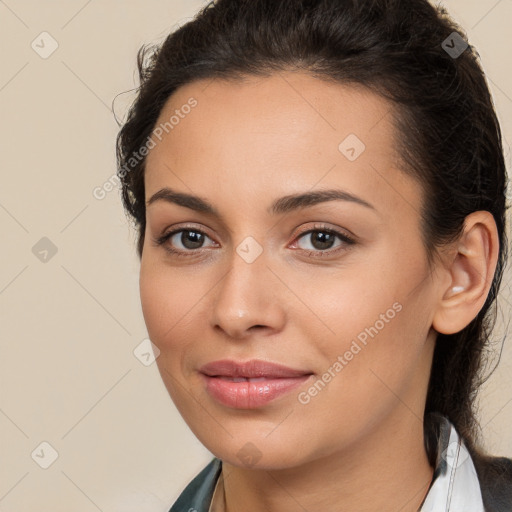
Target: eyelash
[(347, 240)]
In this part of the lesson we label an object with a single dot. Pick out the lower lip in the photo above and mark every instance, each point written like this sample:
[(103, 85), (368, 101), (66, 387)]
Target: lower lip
[(250, 395)]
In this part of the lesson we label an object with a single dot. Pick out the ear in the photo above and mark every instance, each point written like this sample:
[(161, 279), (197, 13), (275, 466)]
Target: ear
[(469, 273)]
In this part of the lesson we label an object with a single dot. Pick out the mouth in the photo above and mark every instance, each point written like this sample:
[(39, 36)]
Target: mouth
[(253, 369), (240, 379), (251, 384)]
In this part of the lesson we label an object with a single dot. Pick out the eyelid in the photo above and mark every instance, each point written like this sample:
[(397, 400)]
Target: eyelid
[(326, 227), (186, 227)]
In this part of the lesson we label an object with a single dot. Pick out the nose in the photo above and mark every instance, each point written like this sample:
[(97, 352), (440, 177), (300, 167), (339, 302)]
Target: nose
[(248, 300)]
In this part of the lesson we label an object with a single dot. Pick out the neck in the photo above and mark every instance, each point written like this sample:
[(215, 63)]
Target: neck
[(387, 470)]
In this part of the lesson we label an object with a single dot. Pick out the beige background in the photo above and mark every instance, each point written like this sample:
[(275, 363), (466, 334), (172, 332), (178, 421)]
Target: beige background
[(69, 326)]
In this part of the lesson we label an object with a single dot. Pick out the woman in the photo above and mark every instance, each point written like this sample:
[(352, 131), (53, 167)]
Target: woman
[(319, 189)]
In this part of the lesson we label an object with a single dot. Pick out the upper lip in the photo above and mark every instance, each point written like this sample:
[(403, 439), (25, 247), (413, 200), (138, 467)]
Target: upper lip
[(250, 369)]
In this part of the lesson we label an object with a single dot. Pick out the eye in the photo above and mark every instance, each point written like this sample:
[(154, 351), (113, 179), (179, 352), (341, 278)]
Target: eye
[(319, 242), (184, 240), (322, 241)]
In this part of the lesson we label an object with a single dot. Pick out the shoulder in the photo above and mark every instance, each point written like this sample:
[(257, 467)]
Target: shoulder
[(197, 495), (495, 476)]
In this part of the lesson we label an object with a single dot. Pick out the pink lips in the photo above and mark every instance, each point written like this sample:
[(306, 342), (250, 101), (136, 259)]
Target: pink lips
[(250, 384)]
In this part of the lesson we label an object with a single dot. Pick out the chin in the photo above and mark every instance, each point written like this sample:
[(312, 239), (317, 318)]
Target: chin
[(260, 453)]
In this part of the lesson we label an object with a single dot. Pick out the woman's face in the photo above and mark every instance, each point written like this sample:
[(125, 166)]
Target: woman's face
[(337, 291)]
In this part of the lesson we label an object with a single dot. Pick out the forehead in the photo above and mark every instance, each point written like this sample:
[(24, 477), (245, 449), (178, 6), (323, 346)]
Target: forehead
[(284, 132), (258, 107)]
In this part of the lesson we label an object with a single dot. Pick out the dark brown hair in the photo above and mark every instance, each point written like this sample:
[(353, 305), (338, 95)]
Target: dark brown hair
[(409, 52)]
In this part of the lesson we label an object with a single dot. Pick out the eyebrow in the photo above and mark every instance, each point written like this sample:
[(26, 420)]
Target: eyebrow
[(282, 205)]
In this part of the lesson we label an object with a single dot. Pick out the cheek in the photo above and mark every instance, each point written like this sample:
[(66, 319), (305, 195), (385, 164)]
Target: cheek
[(154, 302), (370, 335), (167, 302), (348, 305), (367, 370), (168, 310), (374, 322)]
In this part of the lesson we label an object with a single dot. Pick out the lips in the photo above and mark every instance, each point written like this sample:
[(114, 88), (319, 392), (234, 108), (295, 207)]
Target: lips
[(242, 379), (250, 384), (253, 369)]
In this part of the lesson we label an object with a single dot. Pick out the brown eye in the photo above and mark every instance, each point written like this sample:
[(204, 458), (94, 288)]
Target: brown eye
[(190, 239), (321, 240), (184, 242)]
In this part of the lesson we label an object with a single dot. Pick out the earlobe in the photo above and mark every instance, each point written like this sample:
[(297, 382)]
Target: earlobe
[(470, 274)]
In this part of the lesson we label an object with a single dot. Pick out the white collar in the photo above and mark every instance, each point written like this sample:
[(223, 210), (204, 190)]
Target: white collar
[(456, 487)]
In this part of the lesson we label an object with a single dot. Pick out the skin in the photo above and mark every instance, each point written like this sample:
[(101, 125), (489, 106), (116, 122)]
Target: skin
[(358, 444)]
